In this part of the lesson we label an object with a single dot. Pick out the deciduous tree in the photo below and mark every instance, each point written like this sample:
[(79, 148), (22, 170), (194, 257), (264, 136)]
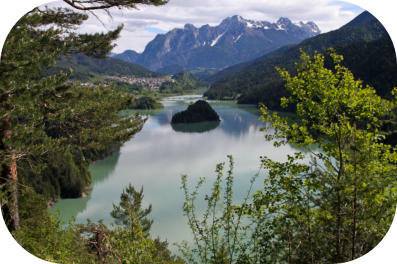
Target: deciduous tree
[(339, 205)]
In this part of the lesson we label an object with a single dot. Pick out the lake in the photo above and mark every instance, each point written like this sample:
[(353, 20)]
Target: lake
[(159, 154)]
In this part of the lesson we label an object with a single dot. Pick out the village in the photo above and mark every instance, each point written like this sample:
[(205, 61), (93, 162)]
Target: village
[(147, 82)]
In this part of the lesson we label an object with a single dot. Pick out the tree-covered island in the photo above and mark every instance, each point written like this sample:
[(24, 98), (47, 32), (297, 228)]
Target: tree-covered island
[(200, 111)]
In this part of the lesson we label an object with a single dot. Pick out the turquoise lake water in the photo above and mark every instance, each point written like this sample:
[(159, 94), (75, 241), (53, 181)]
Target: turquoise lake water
[(157, 156)]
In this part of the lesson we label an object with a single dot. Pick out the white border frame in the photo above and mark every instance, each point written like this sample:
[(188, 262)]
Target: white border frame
[(384, 10)]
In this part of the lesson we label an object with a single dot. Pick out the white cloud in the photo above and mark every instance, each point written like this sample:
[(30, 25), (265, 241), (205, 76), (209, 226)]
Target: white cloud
[(327, 14)]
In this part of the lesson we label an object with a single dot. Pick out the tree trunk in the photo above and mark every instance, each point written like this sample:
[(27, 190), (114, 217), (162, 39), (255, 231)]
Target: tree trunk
[(354, 217), (338, 253), (11, 176)]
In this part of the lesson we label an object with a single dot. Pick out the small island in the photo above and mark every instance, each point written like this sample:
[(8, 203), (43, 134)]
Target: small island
[(200, 111), (145, 103)]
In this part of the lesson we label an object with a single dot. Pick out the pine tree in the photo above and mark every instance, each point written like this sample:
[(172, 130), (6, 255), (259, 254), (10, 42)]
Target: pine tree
[(31, 103), (129, 212)]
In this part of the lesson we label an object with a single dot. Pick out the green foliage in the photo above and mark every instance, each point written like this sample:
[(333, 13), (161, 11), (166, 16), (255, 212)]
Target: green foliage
[(62, 174), (84, 134), (373, 62), (389, 124), (223, 233), (44, 236), (44, 120), (123, 87), (52, 130), (182, 83), (56, 129), (26, 98), (130, 240), (50, 241), (129, 211), (118, 245), (145, 103), (344, 197), (332, 204), (200, 111)]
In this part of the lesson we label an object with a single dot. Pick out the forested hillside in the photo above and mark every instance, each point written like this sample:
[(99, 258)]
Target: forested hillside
[(260, 83), (183, 82), (128, 56), (242, 66), (84, 67), (373, 62)]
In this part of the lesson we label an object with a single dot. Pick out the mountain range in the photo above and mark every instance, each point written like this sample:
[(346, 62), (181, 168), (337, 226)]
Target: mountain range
[(233, 41)]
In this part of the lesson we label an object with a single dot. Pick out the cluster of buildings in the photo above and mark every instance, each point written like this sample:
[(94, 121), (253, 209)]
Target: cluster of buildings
[(147, 82)]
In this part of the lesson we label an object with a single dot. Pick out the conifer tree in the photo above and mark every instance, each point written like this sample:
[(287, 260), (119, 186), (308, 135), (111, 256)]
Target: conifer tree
[(30, 103), (129, 212)]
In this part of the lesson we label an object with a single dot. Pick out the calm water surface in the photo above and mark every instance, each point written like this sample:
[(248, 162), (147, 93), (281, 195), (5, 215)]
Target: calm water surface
[(158, 155)]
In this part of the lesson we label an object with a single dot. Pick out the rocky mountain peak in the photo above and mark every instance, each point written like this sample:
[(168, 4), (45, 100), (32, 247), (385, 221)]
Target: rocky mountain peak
[(189, 27), (231, 22), (284, 21), (313, 27), (235, 18)]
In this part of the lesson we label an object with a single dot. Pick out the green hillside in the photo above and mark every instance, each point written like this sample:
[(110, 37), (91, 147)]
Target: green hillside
[(373, 62), (260, 83), (85, 68), (242, 66), (183, 82)]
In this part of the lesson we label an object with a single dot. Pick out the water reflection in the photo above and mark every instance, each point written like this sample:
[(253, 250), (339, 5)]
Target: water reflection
[(200, 127), (103, 169), (237, 122), (100, 171)]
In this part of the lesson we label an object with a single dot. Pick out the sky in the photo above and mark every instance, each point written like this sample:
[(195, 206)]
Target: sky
[(143, 24)]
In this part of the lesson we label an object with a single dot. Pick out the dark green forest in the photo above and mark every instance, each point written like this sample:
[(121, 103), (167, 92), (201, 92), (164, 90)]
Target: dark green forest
[(145, 103), (333, 208), (200, 111)]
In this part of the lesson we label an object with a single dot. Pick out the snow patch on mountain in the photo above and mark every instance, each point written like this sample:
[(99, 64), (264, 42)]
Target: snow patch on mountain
[(217, 39), (238, 37)]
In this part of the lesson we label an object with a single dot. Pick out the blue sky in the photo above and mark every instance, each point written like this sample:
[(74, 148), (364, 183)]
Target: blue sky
[(348, 6), (154, 30)]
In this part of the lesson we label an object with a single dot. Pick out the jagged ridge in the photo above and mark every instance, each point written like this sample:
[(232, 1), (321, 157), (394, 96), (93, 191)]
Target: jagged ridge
[(233, 41)]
